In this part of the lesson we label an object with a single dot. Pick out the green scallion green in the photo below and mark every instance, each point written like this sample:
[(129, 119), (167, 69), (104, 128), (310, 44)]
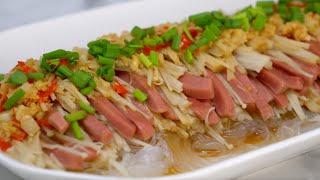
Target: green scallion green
[(75, 116), (201, 19), (87, 90), (1, 77), (76, 130), (13, 99), (105, 61), (188, 56), (36, 75), (64, 70), (145, 60), (87, 107), (259, 22), (112, 51), (138, 32), (167, 36), (154, 58), (80, 78), (140, 95), (17, 78), (176, 41)]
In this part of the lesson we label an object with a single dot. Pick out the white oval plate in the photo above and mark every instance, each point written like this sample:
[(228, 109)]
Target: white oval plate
[(76, 30)]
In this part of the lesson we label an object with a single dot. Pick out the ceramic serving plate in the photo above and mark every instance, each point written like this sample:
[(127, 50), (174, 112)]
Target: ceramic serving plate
[(78, 29)]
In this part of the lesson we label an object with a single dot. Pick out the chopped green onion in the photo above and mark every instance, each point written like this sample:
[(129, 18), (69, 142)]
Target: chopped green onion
[(51, 60), (112, 51), (201, 19), (296, 14), (150, 30), (35, 75), (87, 90), (145, 60), (233, 23), (138, 32), (17, 78), (65, 71), (128, 51), (154, 58), (98, 43), (284, 12), (176, 41), (264, 3), (284, 2), (77, 132), (188, 56), (135, 43), (140, 95), (313, 7), (106, 73), (96, 50), (80, 79), (259, 22), (49, 65), (152, 41), (13, 99), (87, 107), (75, 116), (56, 54), (167, 36), (92, 83), (105, 61), (1, 77)]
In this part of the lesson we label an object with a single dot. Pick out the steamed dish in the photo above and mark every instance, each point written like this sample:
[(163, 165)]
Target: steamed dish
[(167, 99)]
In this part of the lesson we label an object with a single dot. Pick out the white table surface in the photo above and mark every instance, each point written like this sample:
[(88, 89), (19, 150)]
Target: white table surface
[(13, 13)]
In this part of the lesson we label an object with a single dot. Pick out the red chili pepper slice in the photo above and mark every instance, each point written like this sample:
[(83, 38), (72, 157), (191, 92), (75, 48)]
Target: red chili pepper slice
[(24, 67), (4, 145), (44, 95), (121, 90)]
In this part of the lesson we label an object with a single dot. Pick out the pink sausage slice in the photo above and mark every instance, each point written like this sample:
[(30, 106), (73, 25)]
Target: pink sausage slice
[(265, 110), (96, 129), (315, 47), (201, 110), (145, 130), (222, 100), (293, 82), (56, 119), (197, 87), (115, 116), (275, 83), (155, 101), (263, 91), (69, 161)]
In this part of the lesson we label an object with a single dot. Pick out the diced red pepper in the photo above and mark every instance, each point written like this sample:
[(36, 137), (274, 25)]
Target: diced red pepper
[(44, 95), (4, 145), (45, 123), (121, 90), (20, 135), (186, 42), (146, 49), (24, 67), (193, 32), (64, 62)]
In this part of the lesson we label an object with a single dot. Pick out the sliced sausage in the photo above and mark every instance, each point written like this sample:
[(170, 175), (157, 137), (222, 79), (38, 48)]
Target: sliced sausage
[(222, 100), (263, 91), (115, 116), (265, 110), (203, 111), (91, 153), (145, 130), (56, 120), (197, 87), (275, 83), (69, 161), (293, 82), (315, 47), (96, 129), (155, 101)]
